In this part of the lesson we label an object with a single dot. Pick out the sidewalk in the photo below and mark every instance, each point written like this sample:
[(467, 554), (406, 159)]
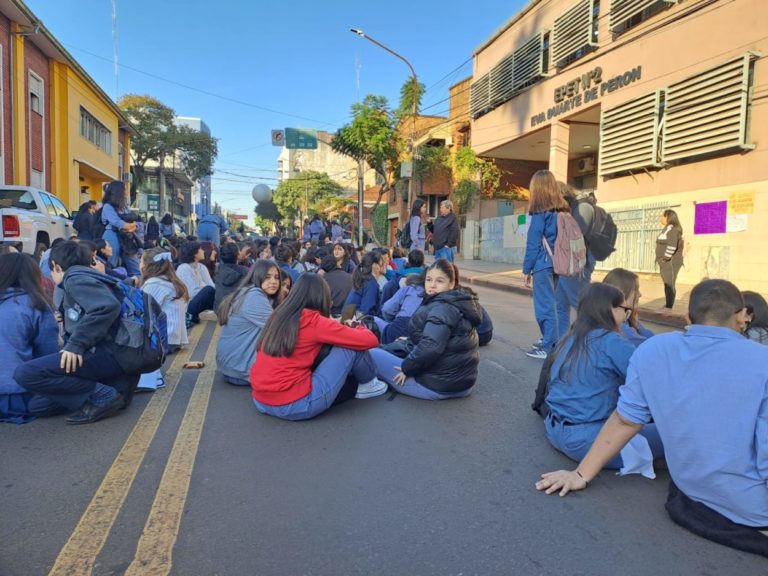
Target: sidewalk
[(509, 277)]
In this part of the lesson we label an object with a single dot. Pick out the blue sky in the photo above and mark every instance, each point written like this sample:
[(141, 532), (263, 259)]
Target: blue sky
[(291, 57)]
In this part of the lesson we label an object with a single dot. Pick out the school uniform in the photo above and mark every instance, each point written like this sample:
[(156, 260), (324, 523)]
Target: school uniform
[(114, 223), (367, 298), (537, 262)]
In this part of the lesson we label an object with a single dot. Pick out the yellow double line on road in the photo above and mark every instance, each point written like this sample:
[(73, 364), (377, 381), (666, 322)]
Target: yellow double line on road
[(78, 556)]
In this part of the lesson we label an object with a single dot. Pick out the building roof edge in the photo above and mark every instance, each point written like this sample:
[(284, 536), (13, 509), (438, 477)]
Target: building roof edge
[(504, 27)]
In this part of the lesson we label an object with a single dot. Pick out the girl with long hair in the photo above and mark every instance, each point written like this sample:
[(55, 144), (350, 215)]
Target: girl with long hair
[(365, 285), (342, 257), (160, 281), (544, 205), (442, 344), (288, 379), (757, 317), (29, 331), (195, 276), (166, 227), (118, 220), (243, 315), (629, 284), (590, 364), (669, 255), (418, 224)]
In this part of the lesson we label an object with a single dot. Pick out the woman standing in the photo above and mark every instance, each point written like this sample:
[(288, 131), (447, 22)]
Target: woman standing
[(287, 379), (167, 230), (442, 344), (243, 315), (669, 255), (417, 225), (544, 205), (118, 220)]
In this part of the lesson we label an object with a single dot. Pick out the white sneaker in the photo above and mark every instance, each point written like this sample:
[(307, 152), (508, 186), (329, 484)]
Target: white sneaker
[(371, 389), (537, 353)]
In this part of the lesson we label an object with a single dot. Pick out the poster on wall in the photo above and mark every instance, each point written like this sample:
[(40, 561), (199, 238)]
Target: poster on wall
[(736, 223), (710, 217), (741, 203), (522, 224)]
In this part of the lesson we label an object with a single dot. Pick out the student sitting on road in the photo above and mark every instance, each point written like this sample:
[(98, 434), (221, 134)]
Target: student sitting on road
[(339, 281), (342, 257), (288, 379), (229, 274), (365, 285), (29, 331), (757, 317), (284, 259), (589, 366), (161, 282), (629, 284), (442, 343), (396, 312), (707, 391), (86, 377), (119, 221), (414, 264), (196, 278), (243, 315)]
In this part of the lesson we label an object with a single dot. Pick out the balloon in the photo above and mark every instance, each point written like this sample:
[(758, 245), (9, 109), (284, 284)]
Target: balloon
[(261, 193)]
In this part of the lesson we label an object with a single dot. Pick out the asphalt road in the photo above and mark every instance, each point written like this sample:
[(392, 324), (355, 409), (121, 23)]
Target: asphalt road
[(386, 486)]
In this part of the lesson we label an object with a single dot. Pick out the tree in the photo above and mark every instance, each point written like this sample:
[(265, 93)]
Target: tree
[(268, 211), (409, 92), (308, 192)]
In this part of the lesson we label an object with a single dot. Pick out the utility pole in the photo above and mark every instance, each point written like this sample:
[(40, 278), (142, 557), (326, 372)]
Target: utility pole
[(360, 202)]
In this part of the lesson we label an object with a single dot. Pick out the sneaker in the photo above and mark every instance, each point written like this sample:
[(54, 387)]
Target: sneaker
[(371, 389), (537, 353), (538, 343)]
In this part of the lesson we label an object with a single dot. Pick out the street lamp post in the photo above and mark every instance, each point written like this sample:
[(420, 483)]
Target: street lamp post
[(414, 112)]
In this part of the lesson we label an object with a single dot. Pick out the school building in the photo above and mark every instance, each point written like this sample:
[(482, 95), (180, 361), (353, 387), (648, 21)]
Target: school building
[(651, 104)]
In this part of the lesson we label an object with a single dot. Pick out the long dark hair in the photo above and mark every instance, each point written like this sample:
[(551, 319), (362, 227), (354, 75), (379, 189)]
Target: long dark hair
[(673, 220), (188, 252), (167, 219), (162, 268), (310, 292), (595, 312), (416, 208), (254, 279), (627, 282), (364, 272), (114, 194), (21, 271), (446, 268), (756, 305)]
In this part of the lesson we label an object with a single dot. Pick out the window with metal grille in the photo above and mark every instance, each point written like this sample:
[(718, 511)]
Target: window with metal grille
[(629, 135), (479, 96), (531, 64), (501, 87), (707, 113), (626, 14), (95, 132), (575, 33)]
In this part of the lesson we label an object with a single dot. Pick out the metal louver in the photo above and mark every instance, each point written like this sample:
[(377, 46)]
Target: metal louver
[(479, 96), (501, 88), (629, 135), (573, 32), (624, 10), (707, 112), (529, 62)]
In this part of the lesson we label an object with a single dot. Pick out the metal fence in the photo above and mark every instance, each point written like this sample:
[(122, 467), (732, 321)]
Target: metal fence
[(636, 242)]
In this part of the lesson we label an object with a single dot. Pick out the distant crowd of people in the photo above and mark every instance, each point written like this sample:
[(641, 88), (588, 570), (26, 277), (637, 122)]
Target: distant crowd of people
[(308, 324)]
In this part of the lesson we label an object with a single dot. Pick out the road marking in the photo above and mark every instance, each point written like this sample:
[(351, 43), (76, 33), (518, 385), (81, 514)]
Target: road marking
[(78, 555), (155, 549)]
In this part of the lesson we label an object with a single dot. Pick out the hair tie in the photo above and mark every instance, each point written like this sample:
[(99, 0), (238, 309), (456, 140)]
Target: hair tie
[(162, 256)]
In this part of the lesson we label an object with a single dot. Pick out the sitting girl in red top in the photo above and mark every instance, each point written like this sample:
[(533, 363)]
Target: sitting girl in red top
[(287, 379)]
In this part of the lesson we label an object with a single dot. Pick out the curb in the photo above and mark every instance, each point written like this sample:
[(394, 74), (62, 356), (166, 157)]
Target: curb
[(645, 314)]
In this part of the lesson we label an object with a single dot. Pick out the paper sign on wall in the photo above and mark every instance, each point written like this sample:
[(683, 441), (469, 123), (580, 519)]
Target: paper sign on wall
[(710, 217), (736, 223), (522, 224), (741, 203)]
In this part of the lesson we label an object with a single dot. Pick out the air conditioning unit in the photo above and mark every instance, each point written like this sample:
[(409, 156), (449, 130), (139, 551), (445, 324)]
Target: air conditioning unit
[(585, 165)]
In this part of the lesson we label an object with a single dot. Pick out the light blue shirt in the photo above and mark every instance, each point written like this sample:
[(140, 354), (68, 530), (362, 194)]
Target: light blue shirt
[(707, 391), (638, 336)]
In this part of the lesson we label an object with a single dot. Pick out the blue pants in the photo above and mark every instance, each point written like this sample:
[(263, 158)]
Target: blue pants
[(131, 263), (209, 232), (387, 367), (43, 376), (444, 252), (202, 301), (544, 307), (567, 294), (327, 381)]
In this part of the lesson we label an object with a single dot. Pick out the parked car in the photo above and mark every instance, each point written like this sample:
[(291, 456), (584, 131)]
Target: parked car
[(33, 217)]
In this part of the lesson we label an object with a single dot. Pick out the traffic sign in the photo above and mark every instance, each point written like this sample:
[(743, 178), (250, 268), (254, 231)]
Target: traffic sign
[(278, 137), (301, 138)]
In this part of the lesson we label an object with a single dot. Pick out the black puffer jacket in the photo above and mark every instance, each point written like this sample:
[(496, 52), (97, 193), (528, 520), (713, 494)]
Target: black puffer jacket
[(442, 339)]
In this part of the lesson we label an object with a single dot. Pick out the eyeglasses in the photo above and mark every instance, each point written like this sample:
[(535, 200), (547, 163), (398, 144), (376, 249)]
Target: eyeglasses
[(627, 309)]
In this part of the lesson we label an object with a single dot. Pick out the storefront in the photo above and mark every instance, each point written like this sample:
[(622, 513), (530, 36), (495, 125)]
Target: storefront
[(652, 104)]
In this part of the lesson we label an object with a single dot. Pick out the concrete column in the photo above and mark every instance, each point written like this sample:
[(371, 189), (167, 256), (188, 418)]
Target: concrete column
[(559, 139)]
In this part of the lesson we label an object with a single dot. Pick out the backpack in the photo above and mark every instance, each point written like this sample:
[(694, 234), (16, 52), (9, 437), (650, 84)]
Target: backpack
[(570, 255), (602, 235), (140, 336), (405, 236), (98, 227)]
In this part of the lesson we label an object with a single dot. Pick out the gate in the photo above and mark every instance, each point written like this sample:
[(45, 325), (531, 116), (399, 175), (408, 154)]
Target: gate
[(636, 242)]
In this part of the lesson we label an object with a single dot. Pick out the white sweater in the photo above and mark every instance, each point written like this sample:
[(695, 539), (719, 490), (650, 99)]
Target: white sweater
[(175, 309), (195, 276)]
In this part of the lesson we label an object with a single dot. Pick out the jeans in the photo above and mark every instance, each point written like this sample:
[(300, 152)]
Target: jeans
[(327, 381), (387, 367), (567, 294), (209, 232), (131, 263), (544, 307), (43, 376), (444, 252), (203, 300)]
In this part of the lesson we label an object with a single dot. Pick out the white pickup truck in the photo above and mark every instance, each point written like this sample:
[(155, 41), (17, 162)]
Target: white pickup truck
[(33, 217)]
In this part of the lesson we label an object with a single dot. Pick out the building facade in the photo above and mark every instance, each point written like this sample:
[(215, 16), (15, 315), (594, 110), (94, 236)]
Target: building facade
[(651, 104)]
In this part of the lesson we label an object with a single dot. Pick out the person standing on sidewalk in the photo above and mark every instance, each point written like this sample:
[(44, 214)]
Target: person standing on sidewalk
[(119, 220), (669, 255), (544, 205), (445, 235), (417, 225)]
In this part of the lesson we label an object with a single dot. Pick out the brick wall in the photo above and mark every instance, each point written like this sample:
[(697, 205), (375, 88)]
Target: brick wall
[(518, 173), (5, 63), (38, 127)]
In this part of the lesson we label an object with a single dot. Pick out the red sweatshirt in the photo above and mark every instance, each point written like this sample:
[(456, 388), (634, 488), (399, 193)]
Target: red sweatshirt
[(280, 380)]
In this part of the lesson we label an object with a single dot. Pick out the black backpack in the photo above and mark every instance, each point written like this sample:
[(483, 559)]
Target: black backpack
[(98, 227), (601, 237), (405, 236)]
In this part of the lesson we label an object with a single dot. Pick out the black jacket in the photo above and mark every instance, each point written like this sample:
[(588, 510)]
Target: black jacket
[(445, 231), (340, 283), (227, 279), (443, 343)]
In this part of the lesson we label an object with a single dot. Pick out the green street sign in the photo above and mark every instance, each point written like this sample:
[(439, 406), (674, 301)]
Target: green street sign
[(153, 202), (301, 138)]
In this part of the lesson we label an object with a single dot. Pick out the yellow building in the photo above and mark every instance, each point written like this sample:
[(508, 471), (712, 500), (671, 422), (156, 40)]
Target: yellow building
[(67, 136)]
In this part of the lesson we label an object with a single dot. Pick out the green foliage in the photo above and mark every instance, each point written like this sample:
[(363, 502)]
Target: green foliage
[(409, 92), (264, 226), (380, 222), (431, 160), (465, 195), (467, 166), (309, 192), (268, 211)]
